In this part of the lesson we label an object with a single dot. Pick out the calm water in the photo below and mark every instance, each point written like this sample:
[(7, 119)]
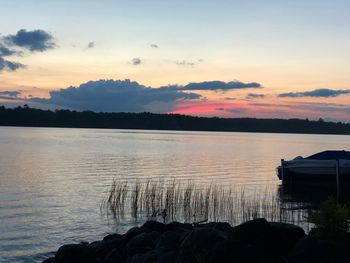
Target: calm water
[(52, 181)]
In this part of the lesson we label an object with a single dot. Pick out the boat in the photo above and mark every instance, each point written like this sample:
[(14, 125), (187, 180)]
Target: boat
[(322, 167)]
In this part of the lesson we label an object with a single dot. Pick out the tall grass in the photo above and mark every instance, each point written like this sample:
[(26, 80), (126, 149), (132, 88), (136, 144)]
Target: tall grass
[(190, 202)]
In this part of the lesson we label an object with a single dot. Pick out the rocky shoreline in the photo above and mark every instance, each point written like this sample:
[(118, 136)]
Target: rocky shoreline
[(253, 241)]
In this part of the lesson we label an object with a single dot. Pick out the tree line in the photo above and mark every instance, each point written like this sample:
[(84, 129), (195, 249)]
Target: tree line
[(31, 117)]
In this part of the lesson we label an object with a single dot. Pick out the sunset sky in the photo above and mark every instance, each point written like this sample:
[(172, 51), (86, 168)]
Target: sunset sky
[(264, 59)]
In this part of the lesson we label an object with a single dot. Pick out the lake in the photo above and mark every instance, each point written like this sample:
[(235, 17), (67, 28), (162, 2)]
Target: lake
[(53, 180)]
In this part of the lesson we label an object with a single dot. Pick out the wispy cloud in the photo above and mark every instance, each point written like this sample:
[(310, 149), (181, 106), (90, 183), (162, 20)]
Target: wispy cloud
[(9, 65), (184, 63), (9, 95), (255, 96), (325, 93), (216, 85)]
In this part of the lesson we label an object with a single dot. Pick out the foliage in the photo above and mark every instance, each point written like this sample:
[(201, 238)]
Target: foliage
[(332, 219)]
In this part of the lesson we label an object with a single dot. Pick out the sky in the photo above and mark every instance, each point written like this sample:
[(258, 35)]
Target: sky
[(263, 59)]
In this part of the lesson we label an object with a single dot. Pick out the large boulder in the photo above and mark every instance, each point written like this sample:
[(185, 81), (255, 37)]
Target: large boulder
[(234, 251), (198, 244), (104, 248), (150, 226), (75, 253), (142, 243), (285, 236), (169, 240), (131, 233)]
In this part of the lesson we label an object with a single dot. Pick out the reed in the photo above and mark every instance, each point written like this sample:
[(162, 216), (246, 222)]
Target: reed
[(190, 202)]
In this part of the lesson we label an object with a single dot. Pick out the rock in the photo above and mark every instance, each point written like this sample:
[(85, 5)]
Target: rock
[(150, 226), (259, 234), (256, 232), (198, 244), (75, 253), (142, 258), (169, 240), (112, 236), (114, 256), (142, 243), (167, 257), (234, 251), (224, 228), (253, 241), (315, 250), (176, 225), (49, 260), (104, 248), (285, 236), (131, 233)]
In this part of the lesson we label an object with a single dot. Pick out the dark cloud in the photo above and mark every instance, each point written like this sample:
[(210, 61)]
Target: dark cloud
[(154, 46), (9, 65), (221, 109), (10, 45), (9, 95), (230, 98), (116, 96), (90, 45), (255, 96), (12, 93), (36, 40), (215, 85), (5, 51), (237, 110), (325, 93), (136, 61)]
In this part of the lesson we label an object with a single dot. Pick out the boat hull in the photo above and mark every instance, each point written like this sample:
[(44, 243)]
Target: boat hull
[(314, 171)]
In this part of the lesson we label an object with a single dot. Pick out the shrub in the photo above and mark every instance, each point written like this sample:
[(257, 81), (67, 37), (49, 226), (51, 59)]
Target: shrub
[(332, 219)]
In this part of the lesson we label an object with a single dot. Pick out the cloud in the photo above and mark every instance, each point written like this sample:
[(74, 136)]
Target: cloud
[(136, 61), (215, 86), (116, 96), (154, 46), (10, 45), (230, 98), (36, 40), (255, 96), (90, 45), (5, 51), (325, 93), (9, 65), (237, 110), (9, 95), (184, 63)]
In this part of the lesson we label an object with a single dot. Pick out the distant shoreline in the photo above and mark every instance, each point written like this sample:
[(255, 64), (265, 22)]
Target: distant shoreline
[(30, 117)]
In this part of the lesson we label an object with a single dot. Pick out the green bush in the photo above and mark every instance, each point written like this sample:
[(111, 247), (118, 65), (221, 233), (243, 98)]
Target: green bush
[(332, 219)]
